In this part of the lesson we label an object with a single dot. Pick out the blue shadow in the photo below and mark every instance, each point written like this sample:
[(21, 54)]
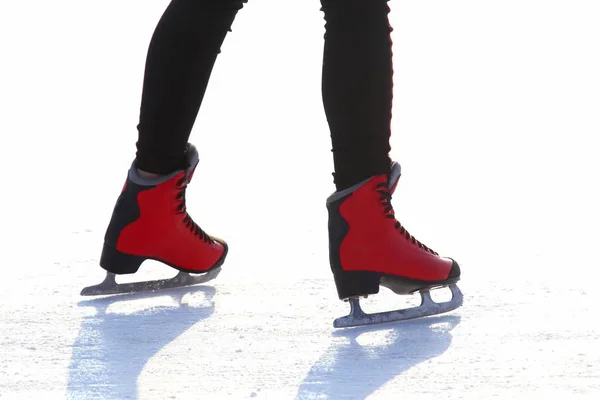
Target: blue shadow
[(348, 370), (112, 349)]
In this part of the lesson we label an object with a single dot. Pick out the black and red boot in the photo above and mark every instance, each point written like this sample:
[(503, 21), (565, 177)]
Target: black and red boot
[(150, 222), (369, 248)]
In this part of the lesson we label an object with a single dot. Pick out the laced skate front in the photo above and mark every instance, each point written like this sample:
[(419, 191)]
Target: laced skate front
[(187, 219), (386, 201)]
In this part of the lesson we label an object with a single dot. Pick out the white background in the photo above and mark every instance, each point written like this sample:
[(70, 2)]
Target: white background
[(496, 123)]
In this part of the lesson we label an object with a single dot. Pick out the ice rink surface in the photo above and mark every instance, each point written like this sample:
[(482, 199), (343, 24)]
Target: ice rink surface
[(495, 124)]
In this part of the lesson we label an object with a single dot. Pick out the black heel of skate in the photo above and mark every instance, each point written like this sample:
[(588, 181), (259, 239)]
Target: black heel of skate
[(356, 283), (119, 263)]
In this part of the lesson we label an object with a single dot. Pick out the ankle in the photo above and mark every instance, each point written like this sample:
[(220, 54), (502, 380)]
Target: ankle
[(353, 168)]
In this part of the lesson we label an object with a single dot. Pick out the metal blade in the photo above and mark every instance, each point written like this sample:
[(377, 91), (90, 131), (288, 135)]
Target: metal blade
[(110, 286), (428, 307)]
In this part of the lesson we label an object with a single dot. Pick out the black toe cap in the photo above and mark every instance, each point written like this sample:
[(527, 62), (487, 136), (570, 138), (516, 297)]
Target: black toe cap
[(454, 271)]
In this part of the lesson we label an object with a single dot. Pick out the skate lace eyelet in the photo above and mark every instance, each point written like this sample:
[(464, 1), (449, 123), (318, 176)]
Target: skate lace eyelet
[(386, 201), (187, 219)]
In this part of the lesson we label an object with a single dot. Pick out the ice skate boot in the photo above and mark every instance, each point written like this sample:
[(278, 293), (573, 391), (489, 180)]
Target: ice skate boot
[(150, 222), (369, 248)]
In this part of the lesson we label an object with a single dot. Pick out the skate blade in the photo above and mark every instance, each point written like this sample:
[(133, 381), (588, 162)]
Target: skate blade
[(428, 307), (110, 286)]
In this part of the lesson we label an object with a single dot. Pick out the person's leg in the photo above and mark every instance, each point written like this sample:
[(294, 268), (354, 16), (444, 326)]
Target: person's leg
[(357, 87), (150, 218), (368, 246), (180, 60)]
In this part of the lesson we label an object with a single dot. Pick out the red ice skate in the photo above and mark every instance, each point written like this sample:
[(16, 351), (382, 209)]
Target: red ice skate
[(368, 247), (150, 222)]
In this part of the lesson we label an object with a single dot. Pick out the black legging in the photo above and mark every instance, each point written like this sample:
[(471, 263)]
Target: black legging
[(356, 82)]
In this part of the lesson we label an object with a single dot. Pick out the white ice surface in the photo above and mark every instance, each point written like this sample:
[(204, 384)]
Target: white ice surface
[(496, 126)]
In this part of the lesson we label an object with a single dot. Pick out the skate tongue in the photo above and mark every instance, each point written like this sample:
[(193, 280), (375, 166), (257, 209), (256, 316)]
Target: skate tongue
[(192, 158), (394, 177)]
